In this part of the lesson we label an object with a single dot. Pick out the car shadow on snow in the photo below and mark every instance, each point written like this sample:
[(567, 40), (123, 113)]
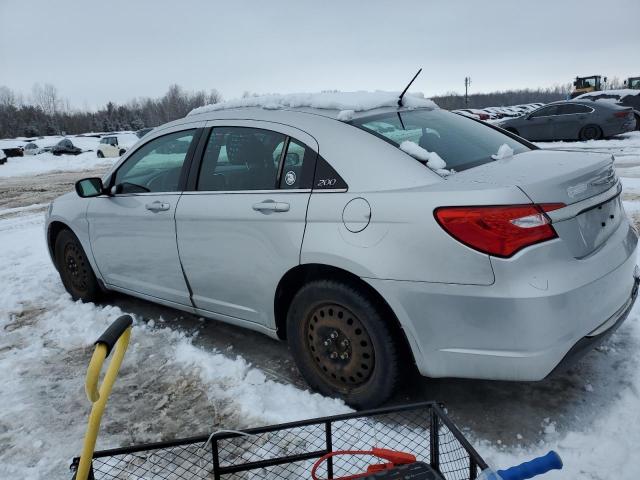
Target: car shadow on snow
[(513, 413)]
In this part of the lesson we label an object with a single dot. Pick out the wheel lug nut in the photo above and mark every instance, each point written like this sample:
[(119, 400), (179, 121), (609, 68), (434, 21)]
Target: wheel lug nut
[(344, 356), (334, 335), (345, 343), (334, 355), (327, 343)]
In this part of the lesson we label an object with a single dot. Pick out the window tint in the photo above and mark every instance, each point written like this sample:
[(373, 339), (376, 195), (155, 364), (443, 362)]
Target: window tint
[(571, 108), (545, 112), (299, 163), (460, 141), (241, 158), (156, 166)]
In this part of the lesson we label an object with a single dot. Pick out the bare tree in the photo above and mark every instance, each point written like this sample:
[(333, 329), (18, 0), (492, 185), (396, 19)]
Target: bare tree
[(46, 98)]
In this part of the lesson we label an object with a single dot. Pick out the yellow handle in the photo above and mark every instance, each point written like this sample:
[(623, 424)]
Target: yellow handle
[(99, 395)]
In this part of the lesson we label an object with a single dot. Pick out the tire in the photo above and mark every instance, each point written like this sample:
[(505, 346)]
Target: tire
[(75, 270), (637, 122), (590, 132), (100, 154), (342, 344), (121, 152)]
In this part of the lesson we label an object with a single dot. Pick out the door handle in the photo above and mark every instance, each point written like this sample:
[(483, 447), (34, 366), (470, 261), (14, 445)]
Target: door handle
[(270, 206), (157, 206)]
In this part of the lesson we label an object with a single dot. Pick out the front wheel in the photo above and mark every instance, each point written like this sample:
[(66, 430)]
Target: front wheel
[(74, 268), (342, 343)]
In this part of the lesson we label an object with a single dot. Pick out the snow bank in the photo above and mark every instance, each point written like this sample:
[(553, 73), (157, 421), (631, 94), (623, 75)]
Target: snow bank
[(49, 163), (622, 92), (356, 101)]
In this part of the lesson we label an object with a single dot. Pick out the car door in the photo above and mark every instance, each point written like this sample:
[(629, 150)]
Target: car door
[(240, 228), (569, 120), (539, 124), (132, 231)]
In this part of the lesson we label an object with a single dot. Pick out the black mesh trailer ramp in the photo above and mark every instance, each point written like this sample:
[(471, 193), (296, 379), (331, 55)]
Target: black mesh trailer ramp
[(289, 451)]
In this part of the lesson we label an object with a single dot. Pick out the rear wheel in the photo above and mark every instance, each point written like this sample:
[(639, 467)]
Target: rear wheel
[(590, 132), (342, 344), (122, 152), (100, 154), (74, 268)]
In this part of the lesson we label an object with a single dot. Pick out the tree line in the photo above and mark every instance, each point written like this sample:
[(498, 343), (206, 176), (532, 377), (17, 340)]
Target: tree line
[(45, 112)]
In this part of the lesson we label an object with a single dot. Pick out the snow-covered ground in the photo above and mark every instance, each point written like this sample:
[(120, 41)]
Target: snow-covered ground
[(170, 387), (48, 163)]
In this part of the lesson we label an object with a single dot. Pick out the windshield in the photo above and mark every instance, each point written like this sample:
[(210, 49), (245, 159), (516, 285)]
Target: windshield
[(460, 141)]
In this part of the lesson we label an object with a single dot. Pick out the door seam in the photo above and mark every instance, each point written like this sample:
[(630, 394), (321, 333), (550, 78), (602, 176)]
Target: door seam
[(184, 274)]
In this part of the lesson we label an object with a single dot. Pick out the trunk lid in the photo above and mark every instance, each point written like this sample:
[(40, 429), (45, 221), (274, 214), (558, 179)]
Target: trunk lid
[(579, 180)]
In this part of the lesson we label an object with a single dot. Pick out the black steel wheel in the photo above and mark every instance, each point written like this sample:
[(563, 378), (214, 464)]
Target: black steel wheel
[(75, 271), (591, 132), (342, 343)]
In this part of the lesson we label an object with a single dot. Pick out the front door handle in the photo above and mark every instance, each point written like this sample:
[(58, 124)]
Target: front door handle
[(269, 206), (157, 206)]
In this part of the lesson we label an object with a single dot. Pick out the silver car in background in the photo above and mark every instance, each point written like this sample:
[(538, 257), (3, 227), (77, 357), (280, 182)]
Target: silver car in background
[(326, 234)]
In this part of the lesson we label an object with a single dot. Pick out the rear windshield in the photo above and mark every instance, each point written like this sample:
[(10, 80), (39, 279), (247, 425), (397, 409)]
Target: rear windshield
[(460, 141)]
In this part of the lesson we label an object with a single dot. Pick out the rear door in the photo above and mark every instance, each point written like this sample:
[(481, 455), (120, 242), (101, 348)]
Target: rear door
[(132, 231), (240, 228), (570, 119), (539, 125)]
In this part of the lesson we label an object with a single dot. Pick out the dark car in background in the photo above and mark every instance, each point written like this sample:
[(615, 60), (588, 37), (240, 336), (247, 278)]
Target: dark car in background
[(65, 147), (143, 131), (13, 152), (572, 120), (624, 98)]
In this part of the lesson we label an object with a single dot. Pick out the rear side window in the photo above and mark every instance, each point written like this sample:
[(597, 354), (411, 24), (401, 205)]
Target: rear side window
[(460, 141), (545, 112), (243, 158)]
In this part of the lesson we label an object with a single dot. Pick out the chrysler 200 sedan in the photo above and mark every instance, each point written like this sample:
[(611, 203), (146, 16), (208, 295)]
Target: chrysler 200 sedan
[(327, 234)]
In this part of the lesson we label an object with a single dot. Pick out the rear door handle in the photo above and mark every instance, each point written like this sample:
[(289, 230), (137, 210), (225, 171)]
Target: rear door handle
[(157, 206), (270, 206)]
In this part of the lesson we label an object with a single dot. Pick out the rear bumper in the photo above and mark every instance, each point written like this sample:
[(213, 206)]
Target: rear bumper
[(523, 326), (595, 338)]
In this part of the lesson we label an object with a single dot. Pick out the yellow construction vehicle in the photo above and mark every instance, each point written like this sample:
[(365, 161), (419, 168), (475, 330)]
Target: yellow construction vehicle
[(593, 83)]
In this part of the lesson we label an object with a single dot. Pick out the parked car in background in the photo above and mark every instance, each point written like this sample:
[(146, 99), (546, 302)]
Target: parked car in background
[(115, 145), (16, 151), (572, 120), (142, 132), (265, 218), (65, 147), (473, 113), (32, 149), (623, 97), (3, 157)]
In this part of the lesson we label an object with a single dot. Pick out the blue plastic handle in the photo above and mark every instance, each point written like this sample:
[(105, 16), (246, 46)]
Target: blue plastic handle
[(537, 466)]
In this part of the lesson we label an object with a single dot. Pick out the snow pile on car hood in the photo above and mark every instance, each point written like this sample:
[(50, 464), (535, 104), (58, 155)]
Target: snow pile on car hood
[(356, 101)]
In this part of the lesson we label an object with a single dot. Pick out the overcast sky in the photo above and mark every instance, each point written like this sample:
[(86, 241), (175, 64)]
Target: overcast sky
[(95, 51)]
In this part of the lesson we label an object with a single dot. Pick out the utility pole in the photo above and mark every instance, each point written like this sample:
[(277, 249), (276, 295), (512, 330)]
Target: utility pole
[(467, 84)]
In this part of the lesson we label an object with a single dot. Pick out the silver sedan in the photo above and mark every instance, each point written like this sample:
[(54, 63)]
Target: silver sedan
[(390, 238)]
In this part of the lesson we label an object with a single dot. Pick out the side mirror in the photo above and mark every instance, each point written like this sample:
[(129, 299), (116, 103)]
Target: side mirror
[(89, 187)]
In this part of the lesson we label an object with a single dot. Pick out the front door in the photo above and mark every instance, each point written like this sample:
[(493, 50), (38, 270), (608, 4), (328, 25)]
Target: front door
[(539, 124), (132, 232), (241, 229)]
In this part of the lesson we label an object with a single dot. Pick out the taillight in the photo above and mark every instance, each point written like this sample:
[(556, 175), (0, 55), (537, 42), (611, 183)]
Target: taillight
[(621, 114), (500, 230)]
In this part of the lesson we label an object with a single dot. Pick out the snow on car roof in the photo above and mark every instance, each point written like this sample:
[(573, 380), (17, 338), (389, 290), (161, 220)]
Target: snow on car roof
[(620, 93), (356, 101)]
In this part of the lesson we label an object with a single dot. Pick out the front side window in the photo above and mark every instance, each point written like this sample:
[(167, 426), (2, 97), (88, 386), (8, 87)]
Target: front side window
[(573, 108), (460, 141), (156, 166), (241, 158)]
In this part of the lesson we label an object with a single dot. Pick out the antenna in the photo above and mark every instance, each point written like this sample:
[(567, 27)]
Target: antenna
[(407, 88)]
